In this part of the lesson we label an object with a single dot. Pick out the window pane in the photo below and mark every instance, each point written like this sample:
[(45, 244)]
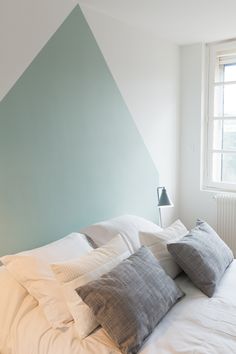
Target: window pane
[(230, 72), (218, 101), (230, 100), (217, 136), (229, 135), (229, 168), (224, 168), (216, 167)]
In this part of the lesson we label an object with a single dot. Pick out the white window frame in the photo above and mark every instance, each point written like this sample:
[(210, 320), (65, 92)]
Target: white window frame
[(212, 51)]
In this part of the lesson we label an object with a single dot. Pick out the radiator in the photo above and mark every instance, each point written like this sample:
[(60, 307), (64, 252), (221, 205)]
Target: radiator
[(226, 219)]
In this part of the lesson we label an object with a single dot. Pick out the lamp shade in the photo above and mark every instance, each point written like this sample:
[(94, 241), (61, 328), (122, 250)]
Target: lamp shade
[(164, 200)]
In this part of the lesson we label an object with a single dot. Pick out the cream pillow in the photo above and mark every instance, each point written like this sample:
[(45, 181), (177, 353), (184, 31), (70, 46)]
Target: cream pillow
[(32, 270), (78, 272), (12, 295), (157, 243)]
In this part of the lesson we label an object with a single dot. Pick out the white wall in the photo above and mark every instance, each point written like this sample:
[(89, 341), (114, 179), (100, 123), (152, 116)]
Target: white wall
[(194, 203), (25, 27), (146, 70)]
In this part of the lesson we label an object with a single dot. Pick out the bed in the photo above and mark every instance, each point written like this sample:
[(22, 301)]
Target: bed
[(196, 324)]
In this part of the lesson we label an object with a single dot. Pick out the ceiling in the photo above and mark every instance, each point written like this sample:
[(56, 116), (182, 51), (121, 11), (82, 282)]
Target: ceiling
[(180, 21)]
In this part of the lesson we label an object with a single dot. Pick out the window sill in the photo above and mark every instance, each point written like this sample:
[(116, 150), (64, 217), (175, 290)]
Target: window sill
[(225, 188)]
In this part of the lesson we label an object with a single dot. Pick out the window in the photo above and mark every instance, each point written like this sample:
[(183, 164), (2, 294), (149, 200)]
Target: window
[(220, 123)]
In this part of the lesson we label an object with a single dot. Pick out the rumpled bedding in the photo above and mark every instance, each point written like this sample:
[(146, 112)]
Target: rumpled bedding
[(195, 325)]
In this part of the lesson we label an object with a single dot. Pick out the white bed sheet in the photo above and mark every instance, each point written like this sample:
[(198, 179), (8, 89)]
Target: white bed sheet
[(196, 325)]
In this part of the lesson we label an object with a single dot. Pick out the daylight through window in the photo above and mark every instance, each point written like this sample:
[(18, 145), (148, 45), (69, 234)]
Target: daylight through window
[(220, 145)]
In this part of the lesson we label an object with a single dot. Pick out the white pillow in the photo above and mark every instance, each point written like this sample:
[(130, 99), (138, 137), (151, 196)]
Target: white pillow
[(12, 295), (128, 225), (32, 270), (157, 242), (75, 273)]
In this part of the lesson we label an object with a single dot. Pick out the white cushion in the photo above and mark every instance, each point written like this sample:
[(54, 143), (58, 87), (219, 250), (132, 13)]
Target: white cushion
[(128, 225), (157, 243), (31, 269), (75, 273), (12, 295)]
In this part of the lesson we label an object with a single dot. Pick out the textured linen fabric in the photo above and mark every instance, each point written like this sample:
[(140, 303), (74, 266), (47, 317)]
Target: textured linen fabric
[(130, 300), (77, 272), (203, 255), (157, 243)]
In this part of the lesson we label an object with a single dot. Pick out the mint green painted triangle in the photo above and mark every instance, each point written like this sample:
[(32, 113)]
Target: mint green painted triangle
[(70, 153)]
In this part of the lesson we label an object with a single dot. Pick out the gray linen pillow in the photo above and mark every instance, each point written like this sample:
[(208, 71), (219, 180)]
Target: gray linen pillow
[(203, 256), (130, 300)]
